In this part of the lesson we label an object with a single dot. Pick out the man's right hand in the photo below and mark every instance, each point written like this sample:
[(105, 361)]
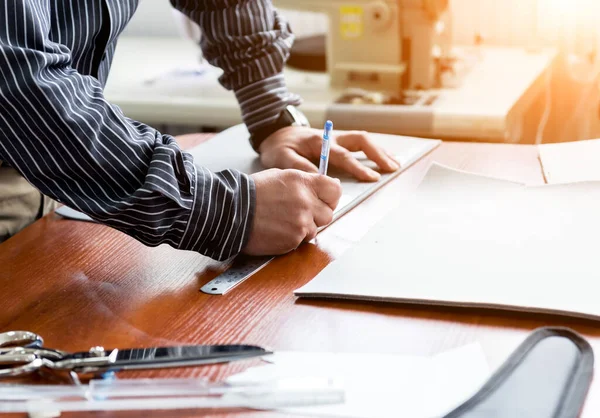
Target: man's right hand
[(290, 206)]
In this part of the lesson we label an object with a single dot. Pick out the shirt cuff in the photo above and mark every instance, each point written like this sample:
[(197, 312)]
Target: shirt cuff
[(263, 101), (222, 214)]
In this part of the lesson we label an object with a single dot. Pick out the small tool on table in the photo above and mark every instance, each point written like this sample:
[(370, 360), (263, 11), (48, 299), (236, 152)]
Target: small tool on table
[(22, 352)]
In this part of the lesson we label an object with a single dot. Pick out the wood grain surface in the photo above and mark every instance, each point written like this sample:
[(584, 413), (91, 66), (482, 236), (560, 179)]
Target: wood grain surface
[(81, 284)]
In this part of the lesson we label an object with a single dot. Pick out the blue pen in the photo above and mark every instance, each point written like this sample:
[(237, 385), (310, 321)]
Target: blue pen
[(324, 161)]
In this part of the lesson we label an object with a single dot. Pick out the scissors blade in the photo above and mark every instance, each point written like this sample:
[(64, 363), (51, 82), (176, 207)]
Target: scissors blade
[(178, 356), (158, 357)]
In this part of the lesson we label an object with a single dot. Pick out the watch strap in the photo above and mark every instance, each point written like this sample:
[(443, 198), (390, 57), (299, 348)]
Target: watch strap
[(290, 116)]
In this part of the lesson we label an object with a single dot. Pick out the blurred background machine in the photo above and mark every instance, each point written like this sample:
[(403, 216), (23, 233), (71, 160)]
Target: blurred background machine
[(383, 46), (393, 68), (441, 68)]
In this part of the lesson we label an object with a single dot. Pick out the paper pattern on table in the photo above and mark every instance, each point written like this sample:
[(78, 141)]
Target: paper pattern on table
[(467, 240), (383, 385)]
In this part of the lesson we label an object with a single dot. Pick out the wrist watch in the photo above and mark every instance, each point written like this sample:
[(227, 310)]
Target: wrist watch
[(290, 116)]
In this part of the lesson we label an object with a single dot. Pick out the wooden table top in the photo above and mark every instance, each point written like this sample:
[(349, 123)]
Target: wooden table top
[(81, 284)]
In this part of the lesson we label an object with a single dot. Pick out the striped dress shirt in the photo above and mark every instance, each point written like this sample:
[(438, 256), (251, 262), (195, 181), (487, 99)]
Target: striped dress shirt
[(61, 134)]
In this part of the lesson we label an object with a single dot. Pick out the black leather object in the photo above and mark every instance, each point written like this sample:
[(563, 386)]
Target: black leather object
[(548, 376)]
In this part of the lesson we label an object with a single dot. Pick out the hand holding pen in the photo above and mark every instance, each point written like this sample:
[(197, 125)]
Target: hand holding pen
[(292, 204)]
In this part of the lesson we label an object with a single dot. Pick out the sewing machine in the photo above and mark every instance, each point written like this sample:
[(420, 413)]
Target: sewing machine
[(384, 46)]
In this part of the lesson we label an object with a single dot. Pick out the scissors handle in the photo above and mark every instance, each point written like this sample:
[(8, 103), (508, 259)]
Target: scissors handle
[(19, 353), (26, 339), (19, 365)]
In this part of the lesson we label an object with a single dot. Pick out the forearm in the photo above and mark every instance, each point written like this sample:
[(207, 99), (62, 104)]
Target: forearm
[(250, 42), (57, 129)]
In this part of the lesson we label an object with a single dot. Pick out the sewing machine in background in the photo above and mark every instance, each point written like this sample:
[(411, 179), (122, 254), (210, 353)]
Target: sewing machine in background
[(384, 46), (391, 67)]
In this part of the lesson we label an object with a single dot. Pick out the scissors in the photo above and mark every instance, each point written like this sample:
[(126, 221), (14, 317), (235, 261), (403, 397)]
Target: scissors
[(23, 352)]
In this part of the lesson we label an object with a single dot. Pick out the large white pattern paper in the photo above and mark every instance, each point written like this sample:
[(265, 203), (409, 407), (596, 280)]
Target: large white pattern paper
[(468, 240)]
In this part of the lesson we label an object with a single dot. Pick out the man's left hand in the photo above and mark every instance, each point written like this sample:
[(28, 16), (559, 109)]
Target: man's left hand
[(295, 147)]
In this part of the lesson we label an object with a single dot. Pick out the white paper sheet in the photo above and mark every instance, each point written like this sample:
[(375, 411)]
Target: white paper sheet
[(383, 385), (471, 241), (231, 149), (240, 156), (571, 161), (69, 213)]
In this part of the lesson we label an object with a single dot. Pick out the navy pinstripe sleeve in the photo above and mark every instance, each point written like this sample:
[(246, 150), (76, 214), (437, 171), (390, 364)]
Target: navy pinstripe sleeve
[(250, 41), (57, 129)]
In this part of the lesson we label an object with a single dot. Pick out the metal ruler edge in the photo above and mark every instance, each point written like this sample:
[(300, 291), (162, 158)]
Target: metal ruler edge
[(239, 271)]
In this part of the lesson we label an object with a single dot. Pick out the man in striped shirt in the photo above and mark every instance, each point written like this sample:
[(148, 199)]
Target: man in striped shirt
[(60, 135)]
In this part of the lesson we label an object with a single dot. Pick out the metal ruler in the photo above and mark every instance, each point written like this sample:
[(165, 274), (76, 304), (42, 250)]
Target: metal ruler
[(242, 268)]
